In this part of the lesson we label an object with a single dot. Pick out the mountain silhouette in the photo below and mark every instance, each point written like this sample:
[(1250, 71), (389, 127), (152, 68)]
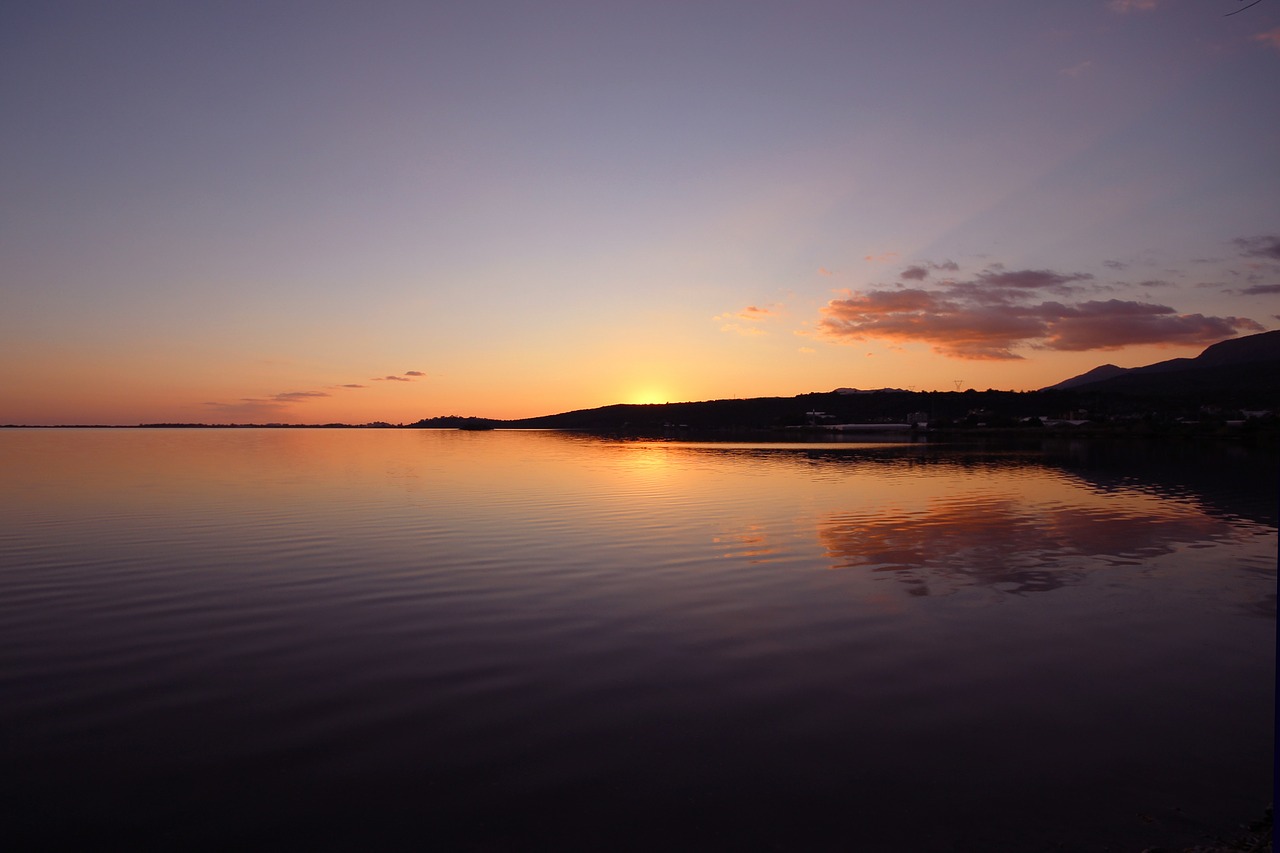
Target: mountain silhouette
[(1249, 364)]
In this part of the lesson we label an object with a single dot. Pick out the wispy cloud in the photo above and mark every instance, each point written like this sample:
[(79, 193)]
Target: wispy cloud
[(390, 379), (248, 409), (297, 396), (882, 258), (1078, 70), (749, 331), (1124, 7), (252, 408), (823, 271), (1265, 246), (273, 405), (999, 311), (1271, 38), (752, 315), (1261, 290)]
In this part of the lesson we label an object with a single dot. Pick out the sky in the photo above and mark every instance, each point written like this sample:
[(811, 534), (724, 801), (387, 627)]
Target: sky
[(253, 212)]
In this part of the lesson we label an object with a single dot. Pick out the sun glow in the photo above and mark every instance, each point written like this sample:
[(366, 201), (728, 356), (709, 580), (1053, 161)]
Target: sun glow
[(647, 395)]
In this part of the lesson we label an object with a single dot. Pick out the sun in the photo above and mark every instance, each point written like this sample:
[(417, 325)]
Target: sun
[(647, 395)]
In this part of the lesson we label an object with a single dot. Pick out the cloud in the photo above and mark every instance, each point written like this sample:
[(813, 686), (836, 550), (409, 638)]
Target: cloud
[(248, 409), (1113, 324), (258, 408), (882, 258), (750, 314), (297, 396), (1077, 70), (1001, 310), (1261, 290), (1271, 38), (749, 331), (1115, 265), (1267, 246), (823, 271), (1124, 7), (1006, 282), (919, 272)]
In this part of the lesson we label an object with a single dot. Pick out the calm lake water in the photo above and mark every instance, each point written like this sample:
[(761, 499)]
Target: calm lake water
[(364, 639)]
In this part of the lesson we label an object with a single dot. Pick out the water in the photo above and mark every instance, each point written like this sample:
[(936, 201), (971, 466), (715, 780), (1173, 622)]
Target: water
[(360, 639)]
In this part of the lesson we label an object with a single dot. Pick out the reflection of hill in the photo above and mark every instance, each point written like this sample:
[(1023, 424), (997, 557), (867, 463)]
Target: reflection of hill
[(1023, 519), (1226, 479)]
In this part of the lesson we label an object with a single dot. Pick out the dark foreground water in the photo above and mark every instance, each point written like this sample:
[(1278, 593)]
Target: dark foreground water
[(288, 639)]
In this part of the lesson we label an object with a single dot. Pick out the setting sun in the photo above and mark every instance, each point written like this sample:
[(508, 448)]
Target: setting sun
[(647, 395)]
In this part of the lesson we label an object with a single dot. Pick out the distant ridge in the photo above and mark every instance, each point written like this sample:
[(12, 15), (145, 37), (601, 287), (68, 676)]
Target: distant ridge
[(1251, 362), (1106, 371), (870, 391)]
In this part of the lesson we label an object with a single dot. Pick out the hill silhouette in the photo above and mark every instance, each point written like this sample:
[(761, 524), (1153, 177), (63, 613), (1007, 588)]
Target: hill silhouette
[(1245, 365), (1221, 384)]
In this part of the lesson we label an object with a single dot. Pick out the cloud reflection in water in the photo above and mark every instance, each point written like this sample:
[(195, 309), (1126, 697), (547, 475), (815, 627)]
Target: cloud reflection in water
[(1010, 543)]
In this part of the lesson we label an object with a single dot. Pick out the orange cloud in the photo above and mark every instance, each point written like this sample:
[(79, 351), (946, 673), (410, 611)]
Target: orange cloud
[(754, 314), (750, 314), (988, 317)]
